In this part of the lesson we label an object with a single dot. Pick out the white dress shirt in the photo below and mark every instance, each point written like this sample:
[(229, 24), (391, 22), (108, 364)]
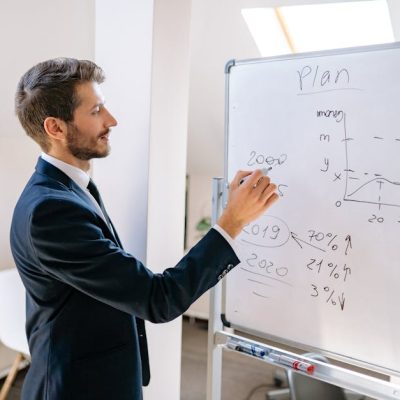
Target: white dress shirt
[(230, 240)]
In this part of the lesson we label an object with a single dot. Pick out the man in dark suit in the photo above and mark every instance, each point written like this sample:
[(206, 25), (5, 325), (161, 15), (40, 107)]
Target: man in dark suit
[(87, 298)]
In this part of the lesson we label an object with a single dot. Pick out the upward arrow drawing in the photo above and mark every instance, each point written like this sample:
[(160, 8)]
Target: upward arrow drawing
[(300, 241)]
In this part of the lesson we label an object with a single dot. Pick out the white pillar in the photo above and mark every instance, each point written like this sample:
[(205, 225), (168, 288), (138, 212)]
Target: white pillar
[(143, 48), (123, 48), (167, 177)]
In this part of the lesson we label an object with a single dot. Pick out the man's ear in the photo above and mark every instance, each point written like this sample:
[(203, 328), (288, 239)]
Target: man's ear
[(55, 128)]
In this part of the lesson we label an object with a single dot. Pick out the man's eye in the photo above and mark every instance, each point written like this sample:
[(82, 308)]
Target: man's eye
[(96, 111)]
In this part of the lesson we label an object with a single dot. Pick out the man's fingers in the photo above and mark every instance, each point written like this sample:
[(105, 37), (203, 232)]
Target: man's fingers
[(271, 188), (238, 179), (271, 199), (258, 184), (250, 179), (261, 184), (250, 195)]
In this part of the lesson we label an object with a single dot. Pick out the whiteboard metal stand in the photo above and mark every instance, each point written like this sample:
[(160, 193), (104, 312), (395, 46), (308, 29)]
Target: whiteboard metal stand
[(214, 359)]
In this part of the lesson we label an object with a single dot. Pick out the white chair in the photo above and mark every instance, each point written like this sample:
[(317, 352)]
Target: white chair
[(12, 322)]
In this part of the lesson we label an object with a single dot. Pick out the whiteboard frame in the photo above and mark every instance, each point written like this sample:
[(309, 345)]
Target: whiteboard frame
[(219, 303)]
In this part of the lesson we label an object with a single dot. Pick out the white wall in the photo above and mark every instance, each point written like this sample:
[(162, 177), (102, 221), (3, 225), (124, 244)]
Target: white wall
[(218, 35), (167, 177), (31, 32)]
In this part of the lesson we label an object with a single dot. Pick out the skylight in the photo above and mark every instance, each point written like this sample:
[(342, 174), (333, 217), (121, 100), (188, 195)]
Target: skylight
[(319, 26)]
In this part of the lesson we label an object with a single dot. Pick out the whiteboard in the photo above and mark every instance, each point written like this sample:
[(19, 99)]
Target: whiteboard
[(321, 267)]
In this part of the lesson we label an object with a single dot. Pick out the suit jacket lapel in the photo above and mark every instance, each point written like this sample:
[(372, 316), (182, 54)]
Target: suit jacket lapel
[(116, 234), (45, 168)]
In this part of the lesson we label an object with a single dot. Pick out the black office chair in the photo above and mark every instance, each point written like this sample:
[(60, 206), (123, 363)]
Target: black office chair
[(305, 388)]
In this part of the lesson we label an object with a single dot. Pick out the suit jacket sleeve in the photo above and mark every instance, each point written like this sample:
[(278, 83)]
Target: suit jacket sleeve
[(70, 245)]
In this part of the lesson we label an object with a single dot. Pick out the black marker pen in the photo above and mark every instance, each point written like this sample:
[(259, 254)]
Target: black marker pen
[(263, 170)]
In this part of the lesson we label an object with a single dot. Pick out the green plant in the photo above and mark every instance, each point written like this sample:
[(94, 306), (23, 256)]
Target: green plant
[(203, 226)]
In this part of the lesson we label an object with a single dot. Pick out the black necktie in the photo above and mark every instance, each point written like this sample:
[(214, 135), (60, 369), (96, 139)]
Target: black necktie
[(95, 193)]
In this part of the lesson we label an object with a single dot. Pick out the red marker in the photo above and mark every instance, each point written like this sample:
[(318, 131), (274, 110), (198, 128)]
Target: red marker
[(292, 362)]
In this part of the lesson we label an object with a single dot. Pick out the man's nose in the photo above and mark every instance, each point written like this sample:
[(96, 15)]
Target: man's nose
[(111, 121)]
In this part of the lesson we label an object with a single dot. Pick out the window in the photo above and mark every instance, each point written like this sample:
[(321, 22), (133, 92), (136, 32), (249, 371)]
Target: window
[(319, 26)]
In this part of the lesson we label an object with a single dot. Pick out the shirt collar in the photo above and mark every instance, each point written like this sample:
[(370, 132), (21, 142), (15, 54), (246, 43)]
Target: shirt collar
[(81, 178)]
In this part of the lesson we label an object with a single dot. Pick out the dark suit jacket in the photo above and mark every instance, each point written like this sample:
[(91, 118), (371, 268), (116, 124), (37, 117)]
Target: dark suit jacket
[(87, 298)]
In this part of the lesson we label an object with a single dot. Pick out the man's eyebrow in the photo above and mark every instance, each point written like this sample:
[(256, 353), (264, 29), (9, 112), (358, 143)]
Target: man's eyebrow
[(98, 104)]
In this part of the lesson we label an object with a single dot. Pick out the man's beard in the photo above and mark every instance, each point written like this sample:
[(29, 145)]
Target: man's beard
[(84, 149)]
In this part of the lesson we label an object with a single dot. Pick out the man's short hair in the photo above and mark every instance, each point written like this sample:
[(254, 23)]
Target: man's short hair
[(49, 90)]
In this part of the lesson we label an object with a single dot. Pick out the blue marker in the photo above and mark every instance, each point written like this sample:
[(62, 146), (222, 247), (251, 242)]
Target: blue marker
[(264, 172), (247, 348)]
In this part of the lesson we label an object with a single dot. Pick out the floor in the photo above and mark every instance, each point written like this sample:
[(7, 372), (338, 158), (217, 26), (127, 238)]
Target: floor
[(243, 377)]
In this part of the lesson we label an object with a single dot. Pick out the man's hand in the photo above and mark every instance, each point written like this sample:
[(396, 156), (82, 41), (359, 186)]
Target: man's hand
[(247, 201)]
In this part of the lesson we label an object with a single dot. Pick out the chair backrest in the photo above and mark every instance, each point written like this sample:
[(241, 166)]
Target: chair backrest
[(305, 388), (12, 311)]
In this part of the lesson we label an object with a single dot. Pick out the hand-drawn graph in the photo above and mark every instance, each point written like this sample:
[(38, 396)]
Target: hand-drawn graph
[(370, 181)]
